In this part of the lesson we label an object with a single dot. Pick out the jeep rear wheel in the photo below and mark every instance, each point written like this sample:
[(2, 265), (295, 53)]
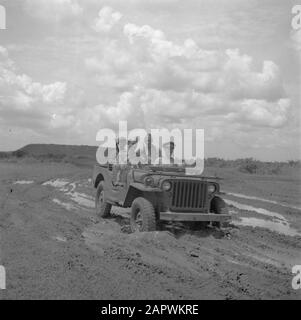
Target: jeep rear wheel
[(143, 216), (103, 209)]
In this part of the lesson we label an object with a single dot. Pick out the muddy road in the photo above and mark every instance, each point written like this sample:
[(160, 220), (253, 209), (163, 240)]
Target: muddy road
[(54, 247)]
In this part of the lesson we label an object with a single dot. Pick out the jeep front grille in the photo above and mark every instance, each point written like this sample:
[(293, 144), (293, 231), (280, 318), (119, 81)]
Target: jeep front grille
[(188, 195)]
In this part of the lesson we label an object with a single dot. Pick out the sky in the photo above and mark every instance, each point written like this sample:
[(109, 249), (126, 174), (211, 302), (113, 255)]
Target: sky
[(69, 68)]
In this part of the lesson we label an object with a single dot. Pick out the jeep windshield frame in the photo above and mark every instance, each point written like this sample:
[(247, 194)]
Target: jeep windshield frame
[(177, 171)]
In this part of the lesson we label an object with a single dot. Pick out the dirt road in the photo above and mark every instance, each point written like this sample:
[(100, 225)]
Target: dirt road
[(53, 246)]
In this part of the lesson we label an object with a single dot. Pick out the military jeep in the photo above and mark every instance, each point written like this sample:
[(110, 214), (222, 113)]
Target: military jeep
[(157, 193)]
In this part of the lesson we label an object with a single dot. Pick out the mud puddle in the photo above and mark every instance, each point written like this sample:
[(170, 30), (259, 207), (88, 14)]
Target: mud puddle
[(243, 196), (275, 226), (69, 190), (23, 182), (278, 223), (262, 211)]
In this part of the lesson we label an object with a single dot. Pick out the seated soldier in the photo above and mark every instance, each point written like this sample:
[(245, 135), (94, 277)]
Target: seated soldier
[(143, 152), (120, 168), (166, 156)]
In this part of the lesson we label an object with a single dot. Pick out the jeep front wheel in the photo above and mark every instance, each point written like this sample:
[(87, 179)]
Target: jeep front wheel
[(143, 216), (218, 206), (103, 209)]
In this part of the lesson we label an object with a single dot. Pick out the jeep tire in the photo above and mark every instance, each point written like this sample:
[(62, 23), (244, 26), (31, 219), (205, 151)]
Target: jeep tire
[(103, 209), (143, 215), (218, 206)]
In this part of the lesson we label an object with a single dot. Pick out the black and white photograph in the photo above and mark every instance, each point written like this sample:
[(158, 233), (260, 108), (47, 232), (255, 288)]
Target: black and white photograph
[(150, 153)]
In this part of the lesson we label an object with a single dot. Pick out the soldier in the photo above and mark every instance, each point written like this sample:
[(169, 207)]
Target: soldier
[(145, 152), (121, 167), (166, 156)]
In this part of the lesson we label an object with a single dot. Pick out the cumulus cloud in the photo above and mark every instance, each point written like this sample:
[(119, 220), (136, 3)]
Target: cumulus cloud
[(114, 69), (24, 100), (127, 108), (189, 66), (106, 20), (175, 83), (261, 112)]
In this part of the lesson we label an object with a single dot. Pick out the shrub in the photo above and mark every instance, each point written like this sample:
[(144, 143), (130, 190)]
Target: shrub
[(19, 153), (248, 165)]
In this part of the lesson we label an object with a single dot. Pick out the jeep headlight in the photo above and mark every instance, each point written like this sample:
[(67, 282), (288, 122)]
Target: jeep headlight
[(149, 181), (211, 188), (166, 185)]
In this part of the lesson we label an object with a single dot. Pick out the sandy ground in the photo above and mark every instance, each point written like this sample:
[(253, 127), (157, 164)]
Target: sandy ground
[(53, 246)]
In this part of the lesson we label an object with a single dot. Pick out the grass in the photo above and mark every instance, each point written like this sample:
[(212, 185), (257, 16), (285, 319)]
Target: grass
[(253, 166)]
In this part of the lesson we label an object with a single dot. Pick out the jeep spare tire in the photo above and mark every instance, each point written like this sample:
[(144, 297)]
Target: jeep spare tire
[(143, 216), (103, 209)]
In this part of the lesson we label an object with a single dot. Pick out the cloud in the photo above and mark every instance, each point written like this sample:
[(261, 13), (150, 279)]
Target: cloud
[(23, 100), (133, 31), (198, 68), (114, 69), (261, 113), (127, 108), (172, 82), (54, 10), (152, 81), (106, 20)]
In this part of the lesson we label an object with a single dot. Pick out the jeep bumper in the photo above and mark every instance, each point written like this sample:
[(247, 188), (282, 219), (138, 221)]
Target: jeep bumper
[(195, 216)]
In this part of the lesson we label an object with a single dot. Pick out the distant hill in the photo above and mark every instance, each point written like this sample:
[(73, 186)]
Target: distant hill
[(77, 154), (58, 150)]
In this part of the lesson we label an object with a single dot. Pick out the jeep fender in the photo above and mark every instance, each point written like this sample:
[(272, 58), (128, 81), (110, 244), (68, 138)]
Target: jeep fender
[(98, 179), (100, 174), (218, 205), (136, 190)]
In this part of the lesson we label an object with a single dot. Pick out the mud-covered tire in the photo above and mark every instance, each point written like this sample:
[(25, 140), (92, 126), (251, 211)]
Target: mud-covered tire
[(103, 209), (143, 216), (197, 225), (219, 206)]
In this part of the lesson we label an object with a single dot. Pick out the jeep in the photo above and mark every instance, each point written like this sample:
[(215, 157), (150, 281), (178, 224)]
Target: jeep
[(157, 193)]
